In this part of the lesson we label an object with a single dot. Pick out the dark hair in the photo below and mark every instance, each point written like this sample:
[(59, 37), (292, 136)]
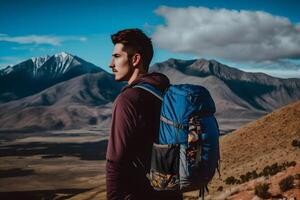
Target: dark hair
[(135, 41)]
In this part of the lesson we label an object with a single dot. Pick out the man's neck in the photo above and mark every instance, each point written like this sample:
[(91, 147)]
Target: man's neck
[(136, 73)]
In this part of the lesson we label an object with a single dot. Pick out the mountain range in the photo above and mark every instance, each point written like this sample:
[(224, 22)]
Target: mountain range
[(65, 92), (240, 97), (36, 74)]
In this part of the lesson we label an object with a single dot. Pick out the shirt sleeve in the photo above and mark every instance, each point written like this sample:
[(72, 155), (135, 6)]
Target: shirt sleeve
[(123, 130), (119, 152)]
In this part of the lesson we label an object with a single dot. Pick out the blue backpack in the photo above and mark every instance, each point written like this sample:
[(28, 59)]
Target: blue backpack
[(186, 153)]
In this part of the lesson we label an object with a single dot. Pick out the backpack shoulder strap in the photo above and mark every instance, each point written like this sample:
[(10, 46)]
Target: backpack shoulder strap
[(151, 89)]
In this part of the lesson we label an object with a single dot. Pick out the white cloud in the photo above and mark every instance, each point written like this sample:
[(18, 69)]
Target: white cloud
[(149, 28), (229, 34), (82, 39), (40, 39)]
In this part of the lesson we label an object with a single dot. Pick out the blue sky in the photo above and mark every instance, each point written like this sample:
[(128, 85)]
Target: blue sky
[(251, 35)]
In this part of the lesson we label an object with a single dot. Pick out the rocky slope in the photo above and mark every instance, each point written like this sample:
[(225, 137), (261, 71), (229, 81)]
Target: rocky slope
[(263, 142), (80, 102)]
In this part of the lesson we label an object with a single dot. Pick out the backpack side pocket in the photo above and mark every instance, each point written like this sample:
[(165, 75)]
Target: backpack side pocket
[(165, 167)]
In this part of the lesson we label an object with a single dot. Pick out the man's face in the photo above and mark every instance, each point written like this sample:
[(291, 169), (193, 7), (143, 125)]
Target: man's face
[(120, 64)]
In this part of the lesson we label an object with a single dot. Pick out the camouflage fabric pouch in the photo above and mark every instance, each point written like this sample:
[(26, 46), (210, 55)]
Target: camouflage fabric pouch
[(165, 167)]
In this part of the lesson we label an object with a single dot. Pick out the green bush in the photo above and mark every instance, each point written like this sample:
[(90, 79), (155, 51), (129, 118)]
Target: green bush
[(220, 188), (286, 183), (293, 163), (243, 178), (275, 168), (267, 171), (230, 180), (296, 143), (254, 174), (289, 164), (261, 190)]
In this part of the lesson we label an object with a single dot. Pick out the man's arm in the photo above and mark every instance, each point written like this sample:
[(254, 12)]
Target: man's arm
[(119, 152)]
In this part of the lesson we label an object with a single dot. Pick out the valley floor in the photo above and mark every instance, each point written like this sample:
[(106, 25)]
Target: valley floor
[(51, 165)]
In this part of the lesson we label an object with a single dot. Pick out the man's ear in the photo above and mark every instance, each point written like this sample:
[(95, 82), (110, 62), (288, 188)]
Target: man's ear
[(136, 59)]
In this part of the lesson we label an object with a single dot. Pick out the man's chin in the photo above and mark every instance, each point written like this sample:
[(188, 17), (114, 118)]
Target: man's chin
[(118, 79), (121, 78)]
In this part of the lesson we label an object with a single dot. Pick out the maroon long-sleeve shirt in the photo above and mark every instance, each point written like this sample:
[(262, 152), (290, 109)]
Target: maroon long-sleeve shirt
[(135, 124)]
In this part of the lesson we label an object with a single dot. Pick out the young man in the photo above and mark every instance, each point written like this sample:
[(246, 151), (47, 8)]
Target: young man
[(135, 120)]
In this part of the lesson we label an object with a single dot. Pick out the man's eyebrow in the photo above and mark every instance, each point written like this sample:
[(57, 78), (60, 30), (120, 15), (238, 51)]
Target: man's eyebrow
[(115, 54)]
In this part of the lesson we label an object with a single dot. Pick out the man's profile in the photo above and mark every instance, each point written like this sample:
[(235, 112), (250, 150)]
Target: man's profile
[(135, 120)]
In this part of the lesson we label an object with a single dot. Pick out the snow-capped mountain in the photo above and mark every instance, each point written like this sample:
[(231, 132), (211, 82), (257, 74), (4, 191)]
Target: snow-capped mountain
[(36, 74), (55, 65), (39, 61), (6, 70)]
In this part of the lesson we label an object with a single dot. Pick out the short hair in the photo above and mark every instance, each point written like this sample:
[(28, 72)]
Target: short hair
[(135, 41)]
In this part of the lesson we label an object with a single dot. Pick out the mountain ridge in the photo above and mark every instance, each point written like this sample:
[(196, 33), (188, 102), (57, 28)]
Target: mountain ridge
[(240, 97), (237, 80), (238, 101), (36, 74), (81, 102)]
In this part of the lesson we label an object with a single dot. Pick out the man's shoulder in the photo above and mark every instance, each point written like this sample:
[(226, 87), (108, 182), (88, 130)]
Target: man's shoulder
[(132, 95)]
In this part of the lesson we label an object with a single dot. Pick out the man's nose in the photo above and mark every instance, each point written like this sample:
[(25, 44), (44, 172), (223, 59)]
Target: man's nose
[(112, 63)]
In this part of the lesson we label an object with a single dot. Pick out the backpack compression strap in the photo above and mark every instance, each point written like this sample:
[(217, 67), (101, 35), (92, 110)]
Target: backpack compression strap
[(167, 121)]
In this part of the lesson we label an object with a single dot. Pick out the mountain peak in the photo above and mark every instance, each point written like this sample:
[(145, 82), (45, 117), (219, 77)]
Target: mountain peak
[(63, 54), (39, 61), (36, 74), (199, 67), (52, 65), (205, 67)]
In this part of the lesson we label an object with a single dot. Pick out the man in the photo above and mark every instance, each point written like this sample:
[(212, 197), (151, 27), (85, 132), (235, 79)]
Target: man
[(135, 120)]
